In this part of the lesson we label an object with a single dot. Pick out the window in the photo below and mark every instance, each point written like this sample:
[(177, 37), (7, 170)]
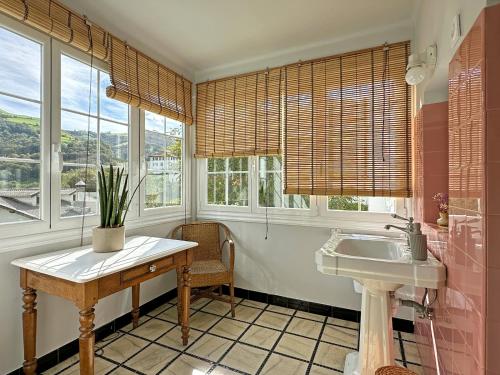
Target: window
[(20, 128), (105, 132), (227, 181), (271, 186), (163, 154), (362, 204)]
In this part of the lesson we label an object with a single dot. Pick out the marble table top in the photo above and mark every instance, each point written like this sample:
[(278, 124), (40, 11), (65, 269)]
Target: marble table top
[(82, 264)]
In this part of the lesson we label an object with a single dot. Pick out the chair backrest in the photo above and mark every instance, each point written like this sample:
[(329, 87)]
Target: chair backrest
[(207, 234)]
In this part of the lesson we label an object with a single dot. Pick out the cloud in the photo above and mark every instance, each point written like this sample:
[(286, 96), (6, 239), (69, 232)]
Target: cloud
[(20, 68)]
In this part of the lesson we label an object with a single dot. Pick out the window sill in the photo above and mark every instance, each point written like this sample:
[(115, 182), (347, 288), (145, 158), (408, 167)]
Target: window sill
[(349, 221), (52, 237)]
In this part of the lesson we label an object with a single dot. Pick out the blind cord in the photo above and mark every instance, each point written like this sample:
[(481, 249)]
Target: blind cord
[(384, 80), (84, 205)]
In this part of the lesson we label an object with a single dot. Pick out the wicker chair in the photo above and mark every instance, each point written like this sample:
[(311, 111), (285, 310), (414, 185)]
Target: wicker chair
[(208, 270)]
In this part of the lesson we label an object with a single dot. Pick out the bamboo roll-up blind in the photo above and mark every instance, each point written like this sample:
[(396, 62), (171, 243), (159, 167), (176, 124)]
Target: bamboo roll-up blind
[(136, 79), (140, 81), (239, 116), (347, 124), (58, 21)]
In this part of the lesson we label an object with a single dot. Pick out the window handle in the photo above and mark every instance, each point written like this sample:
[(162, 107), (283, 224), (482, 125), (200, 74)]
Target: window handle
[(58, 156)]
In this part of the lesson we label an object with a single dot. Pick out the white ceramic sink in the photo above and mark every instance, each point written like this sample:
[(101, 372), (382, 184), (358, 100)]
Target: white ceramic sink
[(381, 265), (370, 248), (382, 258)]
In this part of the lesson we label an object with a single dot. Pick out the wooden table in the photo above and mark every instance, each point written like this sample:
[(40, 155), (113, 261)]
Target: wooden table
[(83, 277)]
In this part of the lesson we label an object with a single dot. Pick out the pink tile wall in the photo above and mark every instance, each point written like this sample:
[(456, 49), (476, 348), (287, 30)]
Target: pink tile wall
[(431, 158), (492, 227), (465, 335)]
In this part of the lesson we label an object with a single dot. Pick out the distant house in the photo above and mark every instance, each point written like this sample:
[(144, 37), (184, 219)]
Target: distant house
[(24, 204), (163, 162)]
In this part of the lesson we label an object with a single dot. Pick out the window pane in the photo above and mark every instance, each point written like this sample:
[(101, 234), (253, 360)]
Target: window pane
[(238, 164), (367, 204), (172, 189), (238, 189), (154, 186), (343, 203), (271, 186), (76, 196), (19, 128), (154, 122), (74, 138), (114, 143), (163, 153), (110, 108), (75, 79), (19, 191), (269, 189), (173, 155), (173, 127), (378, 204), (20, 68), (296, 201), (216, 165), (217, 189)]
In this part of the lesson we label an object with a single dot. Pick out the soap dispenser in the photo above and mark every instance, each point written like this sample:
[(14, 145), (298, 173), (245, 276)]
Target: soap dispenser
[(418, 243)]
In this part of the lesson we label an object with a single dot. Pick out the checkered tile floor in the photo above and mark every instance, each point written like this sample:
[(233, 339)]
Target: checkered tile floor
[(262, 339)]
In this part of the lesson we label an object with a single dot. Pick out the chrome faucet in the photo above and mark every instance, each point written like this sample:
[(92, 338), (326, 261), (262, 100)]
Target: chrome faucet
[(407, 229), (417, 242)]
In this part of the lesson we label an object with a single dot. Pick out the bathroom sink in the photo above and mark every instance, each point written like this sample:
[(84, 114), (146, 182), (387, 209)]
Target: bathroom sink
[(369, 248), (380, 258), (381, 265)]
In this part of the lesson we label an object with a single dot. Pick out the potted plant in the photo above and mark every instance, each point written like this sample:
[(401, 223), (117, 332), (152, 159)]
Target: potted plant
[(114, 203), (442, 200)]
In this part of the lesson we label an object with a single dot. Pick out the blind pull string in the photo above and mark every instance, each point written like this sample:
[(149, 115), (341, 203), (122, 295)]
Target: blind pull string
[(384, 78), (267, 147), (84, 205)]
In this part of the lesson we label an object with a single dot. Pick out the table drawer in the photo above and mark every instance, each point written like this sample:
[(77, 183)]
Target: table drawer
[(154, 267)]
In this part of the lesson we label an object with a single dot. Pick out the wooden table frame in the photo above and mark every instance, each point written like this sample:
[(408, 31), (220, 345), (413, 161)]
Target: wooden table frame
[(86, 295)]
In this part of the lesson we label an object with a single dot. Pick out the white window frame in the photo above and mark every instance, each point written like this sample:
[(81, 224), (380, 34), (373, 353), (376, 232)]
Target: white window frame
[(174, 212), (58, 50), (205, 207), (43, 224), (51, 228), (317, 215), (276, 212)]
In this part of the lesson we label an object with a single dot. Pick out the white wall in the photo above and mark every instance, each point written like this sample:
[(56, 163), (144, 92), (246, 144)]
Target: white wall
[(284, 264), (433, 23), (58, 318)]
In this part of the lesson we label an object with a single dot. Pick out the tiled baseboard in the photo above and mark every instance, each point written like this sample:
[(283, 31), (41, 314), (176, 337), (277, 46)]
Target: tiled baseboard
[(53, 358), (312, 307)]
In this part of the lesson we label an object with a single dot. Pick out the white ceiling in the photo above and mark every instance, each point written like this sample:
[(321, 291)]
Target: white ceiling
[(199, 35)]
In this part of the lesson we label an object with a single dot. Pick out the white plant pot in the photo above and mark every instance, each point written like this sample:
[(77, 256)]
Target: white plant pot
[(108, 239)]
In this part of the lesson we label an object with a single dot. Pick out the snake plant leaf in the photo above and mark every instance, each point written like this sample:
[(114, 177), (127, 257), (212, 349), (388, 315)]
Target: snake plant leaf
[(101, 196), (110, 197), (116, 197)]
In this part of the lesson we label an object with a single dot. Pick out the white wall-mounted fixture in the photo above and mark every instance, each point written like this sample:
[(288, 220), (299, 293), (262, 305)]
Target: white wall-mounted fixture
[(456, 31), (420, 65)]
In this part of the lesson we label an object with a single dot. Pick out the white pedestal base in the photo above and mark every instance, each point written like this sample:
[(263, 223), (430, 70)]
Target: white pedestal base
[(351, 364), (376, 347)]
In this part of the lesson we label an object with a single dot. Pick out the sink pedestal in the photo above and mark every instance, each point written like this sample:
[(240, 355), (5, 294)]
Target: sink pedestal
[(382, 265), (376, 340)]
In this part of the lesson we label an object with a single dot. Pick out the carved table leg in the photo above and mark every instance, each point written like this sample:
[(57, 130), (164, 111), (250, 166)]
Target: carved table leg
[(179, 295), (29, 331), (135, 305), (86, 341), (186, 297)]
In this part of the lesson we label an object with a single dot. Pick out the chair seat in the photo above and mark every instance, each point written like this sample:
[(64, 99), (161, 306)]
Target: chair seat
[(207, 266)]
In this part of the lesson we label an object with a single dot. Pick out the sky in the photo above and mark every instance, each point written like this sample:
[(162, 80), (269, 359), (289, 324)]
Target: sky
[(20, 75)]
